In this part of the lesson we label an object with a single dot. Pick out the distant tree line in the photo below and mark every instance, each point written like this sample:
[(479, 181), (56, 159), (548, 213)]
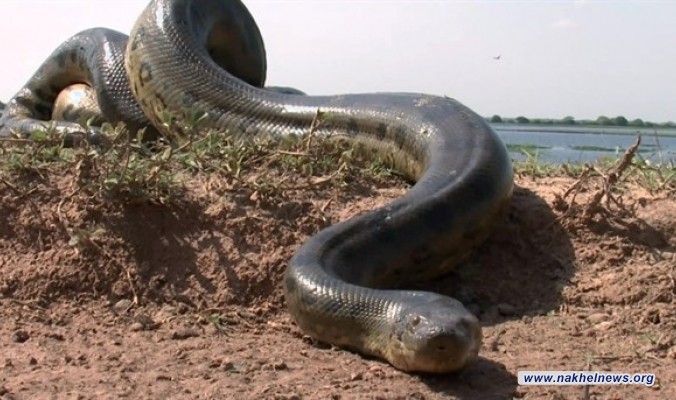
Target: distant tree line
[(601, 121)]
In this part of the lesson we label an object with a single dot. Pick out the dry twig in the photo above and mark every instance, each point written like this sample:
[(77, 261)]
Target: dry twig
[(602, 200)]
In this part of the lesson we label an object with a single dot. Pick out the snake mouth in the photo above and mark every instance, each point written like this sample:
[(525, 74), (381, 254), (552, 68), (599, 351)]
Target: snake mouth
[(441, 337)]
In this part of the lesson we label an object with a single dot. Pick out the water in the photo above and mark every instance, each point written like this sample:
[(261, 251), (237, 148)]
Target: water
[(585, 144)]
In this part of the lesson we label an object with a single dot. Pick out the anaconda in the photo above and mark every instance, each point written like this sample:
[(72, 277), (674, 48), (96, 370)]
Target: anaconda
[(344, 285)]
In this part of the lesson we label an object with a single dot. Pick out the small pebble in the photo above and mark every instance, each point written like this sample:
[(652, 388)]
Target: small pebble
[(597, 318), (183, 334), (604, 326), (356, 376), (21, 336), (136, 327), (122, 306), (671, 353), (279, 366)]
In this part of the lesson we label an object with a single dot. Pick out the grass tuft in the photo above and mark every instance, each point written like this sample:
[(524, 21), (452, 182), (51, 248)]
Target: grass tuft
[(122, 167)]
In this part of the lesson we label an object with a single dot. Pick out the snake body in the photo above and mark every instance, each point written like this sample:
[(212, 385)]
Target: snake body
[(342, 286)]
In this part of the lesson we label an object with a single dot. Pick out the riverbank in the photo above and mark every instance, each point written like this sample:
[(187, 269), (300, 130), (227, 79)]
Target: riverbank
[(136, 275), (581, 145)]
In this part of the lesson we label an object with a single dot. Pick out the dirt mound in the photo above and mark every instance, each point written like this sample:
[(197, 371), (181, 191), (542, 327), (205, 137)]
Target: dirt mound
[(178, 295), (212, 242)]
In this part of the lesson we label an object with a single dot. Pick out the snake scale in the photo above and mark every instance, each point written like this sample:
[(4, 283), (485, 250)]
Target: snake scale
[(344, 285)]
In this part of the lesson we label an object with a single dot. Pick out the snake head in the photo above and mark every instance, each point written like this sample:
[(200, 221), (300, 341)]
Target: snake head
[(434, 334)]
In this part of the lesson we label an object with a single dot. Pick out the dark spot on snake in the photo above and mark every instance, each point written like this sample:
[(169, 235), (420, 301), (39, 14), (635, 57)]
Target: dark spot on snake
[(54, 90), (69, 112), (290, 283), (308, 297), (84, 67), (25, 102), (43, 110), (355, 310), (40, 94), (243, 126), (61, 60), (145, 74), (161, 100), (73, 56), (187, 100), (135, 41)]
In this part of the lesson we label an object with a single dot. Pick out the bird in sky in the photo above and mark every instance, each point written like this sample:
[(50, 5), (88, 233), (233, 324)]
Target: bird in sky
[(497, 57)]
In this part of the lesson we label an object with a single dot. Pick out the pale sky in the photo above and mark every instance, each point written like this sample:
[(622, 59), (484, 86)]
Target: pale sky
[(558, 58)]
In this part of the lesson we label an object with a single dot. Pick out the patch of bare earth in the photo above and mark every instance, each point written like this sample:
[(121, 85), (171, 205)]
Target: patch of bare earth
[(101, 299)]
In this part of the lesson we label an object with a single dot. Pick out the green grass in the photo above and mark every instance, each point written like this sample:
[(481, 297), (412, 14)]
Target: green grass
[(133, 171), (649, 175), (127, 169), (525, 148)]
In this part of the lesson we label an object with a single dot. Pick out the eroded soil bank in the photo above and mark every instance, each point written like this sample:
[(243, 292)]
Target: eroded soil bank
[(182, 299)]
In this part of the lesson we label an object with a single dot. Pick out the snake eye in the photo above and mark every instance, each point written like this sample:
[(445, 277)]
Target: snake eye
[(415, 321)]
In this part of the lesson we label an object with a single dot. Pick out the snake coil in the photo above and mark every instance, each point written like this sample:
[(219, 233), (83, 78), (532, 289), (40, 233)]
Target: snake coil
[(341, 286)]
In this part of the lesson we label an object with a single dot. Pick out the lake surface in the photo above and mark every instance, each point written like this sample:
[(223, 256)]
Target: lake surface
[(560, 144)]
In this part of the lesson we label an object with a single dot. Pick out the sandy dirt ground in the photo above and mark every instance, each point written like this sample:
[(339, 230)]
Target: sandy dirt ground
[(182, 299)]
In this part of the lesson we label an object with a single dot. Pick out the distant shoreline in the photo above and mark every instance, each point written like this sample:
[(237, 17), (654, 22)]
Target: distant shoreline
[(557, 127), (589, 129)]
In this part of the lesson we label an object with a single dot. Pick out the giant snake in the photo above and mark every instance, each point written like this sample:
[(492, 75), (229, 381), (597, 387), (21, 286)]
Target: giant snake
[(342, 286)]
